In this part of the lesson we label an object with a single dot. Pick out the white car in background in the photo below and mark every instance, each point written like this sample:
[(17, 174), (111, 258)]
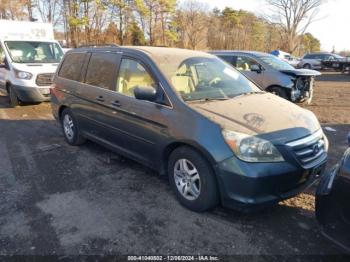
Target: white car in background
[(290, 59)]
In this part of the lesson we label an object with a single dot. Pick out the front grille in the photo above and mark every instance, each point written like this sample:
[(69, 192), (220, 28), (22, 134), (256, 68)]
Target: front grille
[(44, 79), (309, 149)]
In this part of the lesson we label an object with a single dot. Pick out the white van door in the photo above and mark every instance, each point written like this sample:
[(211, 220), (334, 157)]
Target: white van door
[(3, 68)]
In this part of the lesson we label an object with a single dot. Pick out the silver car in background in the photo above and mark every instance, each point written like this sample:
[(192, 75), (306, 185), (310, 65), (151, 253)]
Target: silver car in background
[(272, 74), (314, 60)]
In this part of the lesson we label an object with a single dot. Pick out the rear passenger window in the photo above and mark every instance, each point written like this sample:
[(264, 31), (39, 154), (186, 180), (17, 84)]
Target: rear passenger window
[(244, 63), (132, 74), (71, 67), (101, 70)]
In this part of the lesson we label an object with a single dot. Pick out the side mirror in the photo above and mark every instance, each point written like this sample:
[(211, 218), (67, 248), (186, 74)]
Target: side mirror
[(145, 93), (3, 65), (255, 68)]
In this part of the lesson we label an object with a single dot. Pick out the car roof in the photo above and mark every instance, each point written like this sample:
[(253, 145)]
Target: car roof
[(228, 52), (319, 53), (151, 51)]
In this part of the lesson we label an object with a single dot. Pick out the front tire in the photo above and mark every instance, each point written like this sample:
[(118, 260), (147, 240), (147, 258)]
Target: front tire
[(70, 128), (278, 91), (192, 179), (14, 101)]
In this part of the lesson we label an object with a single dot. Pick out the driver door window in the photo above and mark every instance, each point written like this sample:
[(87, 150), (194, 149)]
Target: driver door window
[(132, 74), (245, 63)]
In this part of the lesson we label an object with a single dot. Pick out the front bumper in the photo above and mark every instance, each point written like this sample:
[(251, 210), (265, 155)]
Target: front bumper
[(32, 94), (332, 203), (249, 186)]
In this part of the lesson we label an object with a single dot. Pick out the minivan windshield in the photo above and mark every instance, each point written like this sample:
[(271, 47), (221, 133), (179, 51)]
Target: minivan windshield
[(276, 63), (196, 76), (34, 52)]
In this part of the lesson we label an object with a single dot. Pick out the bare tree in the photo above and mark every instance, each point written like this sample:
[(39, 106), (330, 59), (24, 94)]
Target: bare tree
[(49, 10), (192, 21), (16, 9), (185, 23), (294, 16)]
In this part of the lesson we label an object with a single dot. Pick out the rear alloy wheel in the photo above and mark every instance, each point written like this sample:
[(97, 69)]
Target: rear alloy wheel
[(70, 129), (14, 101), (192, 179)]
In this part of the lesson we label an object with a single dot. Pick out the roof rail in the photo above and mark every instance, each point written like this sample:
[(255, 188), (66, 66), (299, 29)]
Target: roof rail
[(99, 45)]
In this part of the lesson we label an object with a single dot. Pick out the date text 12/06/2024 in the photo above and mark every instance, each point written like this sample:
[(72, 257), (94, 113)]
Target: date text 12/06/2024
[(173, 258)]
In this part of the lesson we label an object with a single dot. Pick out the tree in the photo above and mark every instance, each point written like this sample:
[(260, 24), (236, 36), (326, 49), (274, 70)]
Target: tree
[(294, 17), (16, 10), (167, 11), (192, 24), (309, 44), (147, 10), (155, 18), (30, 5), (136, 35), (163, 22), (49, 10), (121, 13)]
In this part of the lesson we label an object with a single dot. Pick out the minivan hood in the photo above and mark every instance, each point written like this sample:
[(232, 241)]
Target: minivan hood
[(258, 114), (301, 72)]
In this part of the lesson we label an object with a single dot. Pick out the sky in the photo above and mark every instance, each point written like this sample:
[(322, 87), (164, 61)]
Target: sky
[(332, 27)]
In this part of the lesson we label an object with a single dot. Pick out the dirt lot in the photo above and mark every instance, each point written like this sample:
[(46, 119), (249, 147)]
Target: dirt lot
[(58, 199)]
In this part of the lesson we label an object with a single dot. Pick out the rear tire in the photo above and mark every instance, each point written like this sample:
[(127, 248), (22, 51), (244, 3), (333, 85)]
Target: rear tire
[(70, 129), (307, 66), (278, 91), (14, 101), (194, 184)]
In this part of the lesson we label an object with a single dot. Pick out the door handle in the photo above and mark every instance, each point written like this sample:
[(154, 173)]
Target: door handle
[(116, 103), (100, 99)]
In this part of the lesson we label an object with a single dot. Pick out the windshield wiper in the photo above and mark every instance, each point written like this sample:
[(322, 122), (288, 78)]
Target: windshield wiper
[(249, 93), (208, 99), (255, 92)]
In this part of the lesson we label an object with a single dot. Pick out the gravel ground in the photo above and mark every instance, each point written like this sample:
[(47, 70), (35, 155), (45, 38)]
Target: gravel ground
[(58, 199)]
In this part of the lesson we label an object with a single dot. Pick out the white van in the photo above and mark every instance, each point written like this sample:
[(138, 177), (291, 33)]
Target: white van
[(29, 57)]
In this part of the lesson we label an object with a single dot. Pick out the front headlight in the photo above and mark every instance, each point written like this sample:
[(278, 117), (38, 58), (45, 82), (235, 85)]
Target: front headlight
[(23, 75), (251, 148)]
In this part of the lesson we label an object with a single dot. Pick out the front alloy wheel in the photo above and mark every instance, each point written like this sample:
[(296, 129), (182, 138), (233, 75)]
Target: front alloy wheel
[(192, 179), (187, 179)]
